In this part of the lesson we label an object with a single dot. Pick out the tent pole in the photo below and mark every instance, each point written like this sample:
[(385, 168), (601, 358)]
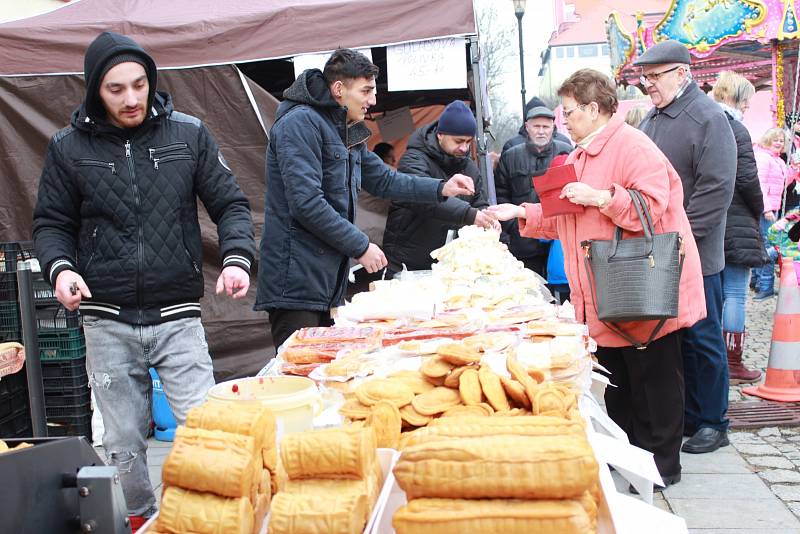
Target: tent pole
[(477, 97)]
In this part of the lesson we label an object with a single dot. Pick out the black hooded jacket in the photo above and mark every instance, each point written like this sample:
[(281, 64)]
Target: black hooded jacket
[(413, 231), (119, 206), (743, 242), (316, 165), (513, 184)]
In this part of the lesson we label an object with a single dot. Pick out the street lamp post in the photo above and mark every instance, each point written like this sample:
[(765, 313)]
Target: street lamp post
[(519, 11)]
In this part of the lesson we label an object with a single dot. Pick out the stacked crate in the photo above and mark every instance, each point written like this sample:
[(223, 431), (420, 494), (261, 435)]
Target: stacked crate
[(62, 350)]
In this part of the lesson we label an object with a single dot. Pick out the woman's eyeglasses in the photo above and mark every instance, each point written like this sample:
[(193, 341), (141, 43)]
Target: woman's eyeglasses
[(653, 77), (568, 112)]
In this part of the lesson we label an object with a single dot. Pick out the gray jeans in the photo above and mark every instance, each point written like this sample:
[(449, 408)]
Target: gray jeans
[(117, 359)]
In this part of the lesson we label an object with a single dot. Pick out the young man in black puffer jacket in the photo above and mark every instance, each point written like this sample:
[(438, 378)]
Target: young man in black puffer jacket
[(440, 149), (116, 232)]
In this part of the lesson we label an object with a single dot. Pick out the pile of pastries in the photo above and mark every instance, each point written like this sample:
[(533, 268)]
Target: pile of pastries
[(308, 348), (514, 475), (330, 481), (455, 382), (221, 473)]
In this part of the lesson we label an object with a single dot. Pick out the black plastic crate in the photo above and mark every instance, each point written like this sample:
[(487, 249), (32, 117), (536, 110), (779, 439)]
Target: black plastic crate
[(70, 426), (10, 254), (64, 384), (11, 404), (68, 397), (10, 329), (43, 292), (16, 425), (66, 344), (57, 318), (62, 413), (64, 369)]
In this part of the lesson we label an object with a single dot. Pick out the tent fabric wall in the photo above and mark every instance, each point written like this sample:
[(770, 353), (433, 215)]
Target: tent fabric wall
[(185, 33), (32, 109)]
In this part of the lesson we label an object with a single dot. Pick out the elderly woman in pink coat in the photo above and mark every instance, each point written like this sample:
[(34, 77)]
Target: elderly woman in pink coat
[(612, 157)]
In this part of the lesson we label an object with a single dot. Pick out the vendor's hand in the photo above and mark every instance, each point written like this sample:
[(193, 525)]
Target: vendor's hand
[(458, 184), (70, 289), (581, 194), (234, 281), (373, 259), (485, 219), (506, 212), (770, 216)]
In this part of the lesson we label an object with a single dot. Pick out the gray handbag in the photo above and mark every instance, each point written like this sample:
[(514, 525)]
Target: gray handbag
[(635, 279)]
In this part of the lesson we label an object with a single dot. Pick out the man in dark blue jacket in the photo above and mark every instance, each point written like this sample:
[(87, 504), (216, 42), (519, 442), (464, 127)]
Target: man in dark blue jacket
[(317, 161), (117, 234)]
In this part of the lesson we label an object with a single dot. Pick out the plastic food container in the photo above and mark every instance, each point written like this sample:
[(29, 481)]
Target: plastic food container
[(294, 400)]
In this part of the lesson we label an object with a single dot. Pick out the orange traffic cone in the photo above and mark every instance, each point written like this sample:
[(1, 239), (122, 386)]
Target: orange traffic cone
[(783, 370)]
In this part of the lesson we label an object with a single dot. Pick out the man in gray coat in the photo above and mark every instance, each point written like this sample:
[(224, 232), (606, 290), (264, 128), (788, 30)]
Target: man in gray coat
[(694, 134)]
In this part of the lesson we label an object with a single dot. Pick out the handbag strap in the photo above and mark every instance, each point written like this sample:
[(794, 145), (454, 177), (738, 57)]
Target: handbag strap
[(637, 200)]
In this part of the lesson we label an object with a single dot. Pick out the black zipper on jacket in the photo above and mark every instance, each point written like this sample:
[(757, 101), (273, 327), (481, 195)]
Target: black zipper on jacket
[(171, 157), (157, 151), (140, 241), (94, 250), (97, 163)]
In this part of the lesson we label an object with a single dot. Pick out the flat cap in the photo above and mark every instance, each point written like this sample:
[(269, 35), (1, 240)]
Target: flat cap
[(670, 51), (540, 111)]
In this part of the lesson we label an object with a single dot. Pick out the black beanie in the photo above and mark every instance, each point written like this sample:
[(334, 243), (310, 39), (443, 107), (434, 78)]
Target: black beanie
[(457, 119), (106, 51)]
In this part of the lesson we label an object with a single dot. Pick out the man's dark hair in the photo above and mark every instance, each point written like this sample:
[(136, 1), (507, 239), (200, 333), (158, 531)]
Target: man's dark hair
[(381, 149), (346, 65)]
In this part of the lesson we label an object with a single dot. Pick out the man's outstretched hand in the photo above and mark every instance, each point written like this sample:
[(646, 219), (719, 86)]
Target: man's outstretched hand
[(458, 184), (233, 281)]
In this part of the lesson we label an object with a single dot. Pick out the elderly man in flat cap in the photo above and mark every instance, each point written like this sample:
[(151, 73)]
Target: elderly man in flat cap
[(694, 134)]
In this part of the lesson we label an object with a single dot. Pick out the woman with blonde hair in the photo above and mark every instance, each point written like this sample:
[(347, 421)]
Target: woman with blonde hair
[(612, 158), (774, 175), (635, 115), (744, 246)]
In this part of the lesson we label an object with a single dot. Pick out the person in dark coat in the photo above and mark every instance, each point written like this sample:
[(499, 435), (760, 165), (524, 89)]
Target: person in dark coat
[(440, 149), (522, 135), (744, 246), (513, 182), (694, 134), (317, 162)]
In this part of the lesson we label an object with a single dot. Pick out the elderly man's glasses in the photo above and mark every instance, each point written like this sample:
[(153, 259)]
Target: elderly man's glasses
[(653, 77), (568, 112)]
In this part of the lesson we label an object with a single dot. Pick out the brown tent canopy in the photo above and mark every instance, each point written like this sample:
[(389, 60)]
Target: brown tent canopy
[(197, 45)]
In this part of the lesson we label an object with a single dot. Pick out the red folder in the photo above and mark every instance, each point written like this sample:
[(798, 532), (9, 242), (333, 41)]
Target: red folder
[(549, 186)]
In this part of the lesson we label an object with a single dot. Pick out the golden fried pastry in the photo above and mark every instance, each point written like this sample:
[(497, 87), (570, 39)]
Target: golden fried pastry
[(309, 514), (503, 467), (493, 389), (414, 380), (515, 391), (412, 416), (499, 420), (3, 446), (353, 409), (204, 513), (537, 374), (212, 461), (454, 377), (487, 407), (436, 381), (328, 453), (458, 516), (435, 367), (265, 482), (461, 411), (458, 354), (372, 391), (491, 341), (515, 412), (553, 400), (469, 387), (248, 419), (436, 401), (479, 426), (386, 422)]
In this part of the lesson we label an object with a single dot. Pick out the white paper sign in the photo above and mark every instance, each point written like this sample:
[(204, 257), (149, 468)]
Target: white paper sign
[(317, 61), (434, 64), (395, 124)]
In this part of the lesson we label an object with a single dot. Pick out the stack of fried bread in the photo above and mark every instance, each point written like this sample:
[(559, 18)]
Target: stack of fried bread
[(332, 481), (219, 475), (308, 348), (454, 382), (504, 474)]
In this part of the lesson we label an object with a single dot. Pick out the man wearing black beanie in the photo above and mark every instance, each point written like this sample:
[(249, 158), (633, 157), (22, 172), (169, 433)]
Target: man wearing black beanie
[(440, 149), (117, 235)]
